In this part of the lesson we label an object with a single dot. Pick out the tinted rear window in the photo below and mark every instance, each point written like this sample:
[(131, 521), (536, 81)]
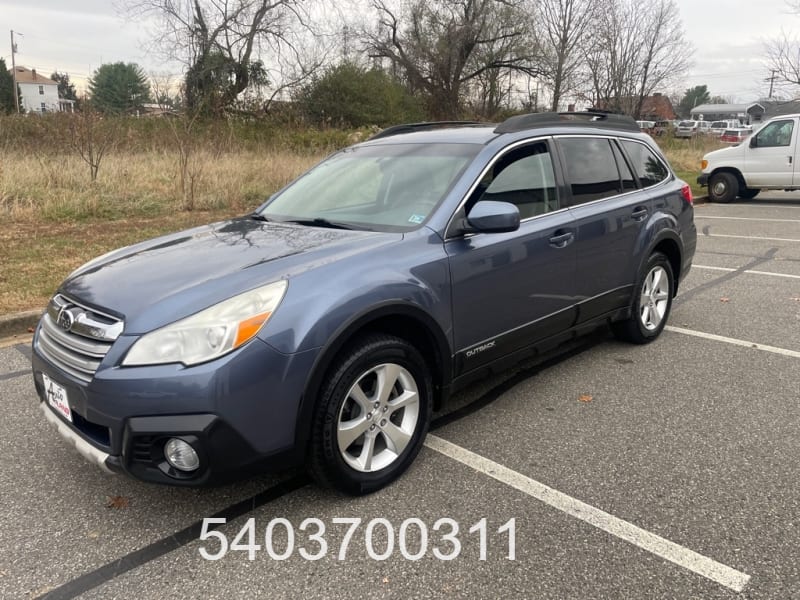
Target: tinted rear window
[(648, 167)]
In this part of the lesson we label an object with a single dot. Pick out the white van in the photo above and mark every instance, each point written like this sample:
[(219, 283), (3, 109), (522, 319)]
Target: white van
[(766, 160)]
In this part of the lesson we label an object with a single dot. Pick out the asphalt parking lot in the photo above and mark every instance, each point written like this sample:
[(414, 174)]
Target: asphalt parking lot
[(664, 471)]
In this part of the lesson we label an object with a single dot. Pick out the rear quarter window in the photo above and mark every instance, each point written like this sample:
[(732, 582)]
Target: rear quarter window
[(648, 167)]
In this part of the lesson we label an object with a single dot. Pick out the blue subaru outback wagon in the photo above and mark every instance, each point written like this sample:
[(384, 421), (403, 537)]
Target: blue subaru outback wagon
[(324, 328)]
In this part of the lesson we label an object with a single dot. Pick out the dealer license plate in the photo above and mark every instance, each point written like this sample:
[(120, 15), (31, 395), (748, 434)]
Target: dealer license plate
[(57, 397)]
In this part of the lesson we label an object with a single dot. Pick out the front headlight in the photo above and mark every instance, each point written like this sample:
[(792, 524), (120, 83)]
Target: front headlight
[(210, 333)]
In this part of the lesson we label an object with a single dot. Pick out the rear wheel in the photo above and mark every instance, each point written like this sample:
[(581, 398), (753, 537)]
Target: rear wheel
[(748, 193), (723, 187), (373, 416), (651, 304)]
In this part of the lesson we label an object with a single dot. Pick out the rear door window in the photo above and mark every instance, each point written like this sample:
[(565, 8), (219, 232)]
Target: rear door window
[(591, 168), (648, 167)]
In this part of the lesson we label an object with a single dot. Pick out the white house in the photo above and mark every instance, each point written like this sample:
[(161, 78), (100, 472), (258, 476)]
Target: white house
[(39, 93)]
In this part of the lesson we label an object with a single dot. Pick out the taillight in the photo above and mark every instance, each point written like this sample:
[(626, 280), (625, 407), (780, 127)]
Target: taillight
[(686, 192)]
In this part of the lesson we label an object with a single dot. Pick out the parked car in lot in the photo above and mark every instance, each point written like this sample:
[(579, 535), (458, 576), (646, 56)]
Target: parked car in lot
[(647, 126), (735, 136), (663, 128), (717, 128), (689, 129), (764, 161), (325, 327)]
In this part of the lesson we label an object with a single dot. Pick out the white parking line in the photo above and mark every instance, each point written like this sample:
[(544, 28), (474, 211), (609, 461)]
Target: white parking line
[(683, 557), (749, 237), (734, 341), (748, 219), (755, 205), (748, 271)]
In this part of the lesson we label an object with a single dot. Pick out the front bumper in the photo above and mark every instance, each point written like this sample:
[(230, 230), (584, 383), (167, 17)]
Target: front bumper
[(239, 413), (702, 179)]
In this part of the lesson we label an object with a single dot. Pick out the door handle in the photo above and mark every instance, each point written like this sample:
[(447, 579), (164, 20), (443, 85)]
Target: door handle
[(561, 240), (639, 213)]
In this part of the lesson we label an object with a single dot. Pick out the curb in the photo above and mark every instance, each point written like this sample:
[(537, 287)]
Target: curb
[(19, 323), (700, 200)]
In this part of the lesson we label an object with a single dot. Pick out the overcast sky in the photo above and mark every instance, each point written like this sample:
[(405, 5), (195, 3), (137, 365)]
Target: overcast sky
[(76, 36)]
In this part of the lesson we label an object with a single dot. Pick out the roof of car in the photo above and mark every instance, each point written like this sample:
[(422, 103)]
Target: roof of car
[(469, 132)]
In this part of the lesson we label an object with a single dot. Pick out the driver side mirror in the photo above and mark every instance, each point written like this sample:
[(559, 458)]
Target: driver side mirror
[(490, 216)]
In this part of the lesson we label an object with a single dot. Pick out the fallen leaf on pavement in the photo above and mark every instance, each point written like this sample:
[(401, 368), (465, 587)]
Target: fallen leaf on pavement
[(117, 502), (585, 398), (724, 299)]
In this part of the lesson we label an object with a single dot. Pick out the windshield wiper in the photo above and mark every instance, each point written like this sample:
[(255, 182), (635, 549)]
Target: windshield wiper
[(259, 217), (318, 222)]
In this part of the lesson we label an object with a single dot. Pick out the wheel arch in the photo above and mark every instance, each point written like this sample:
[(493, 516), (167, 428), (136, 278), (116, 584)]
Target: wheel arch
[(668, 243), (403, 320), (733, 171)]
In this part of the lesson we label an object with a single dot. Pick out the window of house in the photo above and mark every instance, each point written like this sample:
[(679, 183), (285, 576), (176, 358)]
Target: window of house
[(648, 167), (777, 133), (44, 107), (591, 168), (524, 177), (41, 90)]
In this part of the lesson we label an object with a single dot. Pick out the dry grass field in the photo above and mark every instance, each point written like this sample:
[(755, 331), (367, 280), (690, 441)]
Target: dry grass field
[(54, 218)]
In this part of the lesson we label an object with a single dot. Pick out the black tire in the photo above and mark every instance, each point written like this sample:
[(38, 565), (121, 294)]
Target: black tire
[(640, 327), (723, 187), (748, 193), (334, 467)]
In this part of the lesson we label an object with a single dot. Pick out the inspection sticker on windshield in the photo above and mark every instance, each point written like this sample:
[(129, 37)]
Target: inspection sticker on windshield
[(416, 219), (57, 397)]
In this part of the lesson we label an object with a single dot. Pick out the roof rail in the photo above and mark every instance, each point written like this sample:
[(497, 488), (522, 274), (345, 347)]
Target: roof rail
[(583, 119), (409, 127)]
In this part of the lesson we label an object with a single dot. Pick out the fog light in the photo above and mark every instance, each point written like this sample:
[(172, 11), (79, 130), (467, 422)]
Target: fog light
[(181, 455)]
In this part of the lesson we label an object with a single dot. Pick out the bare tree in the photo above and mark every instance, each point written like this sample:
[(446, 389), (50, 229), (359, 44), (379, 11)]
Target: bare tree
[(565, 25), (222, 42), (637, 46), (442, 48), (783, 57), (91, 136)]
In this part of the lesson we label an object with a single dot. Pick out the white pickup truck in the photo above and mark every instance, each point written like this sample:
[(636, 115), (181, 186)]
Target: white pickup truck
[(765, 160)]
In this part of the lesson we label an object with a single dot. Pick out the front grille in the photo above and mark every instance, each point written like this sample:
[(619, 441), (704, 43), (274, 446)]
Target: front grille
[(76, 338)]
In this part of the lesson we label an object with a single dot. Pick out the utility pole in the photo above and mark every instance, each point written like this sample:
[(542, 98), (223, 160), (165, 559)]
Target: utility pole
[(771, 80), (14, 70)]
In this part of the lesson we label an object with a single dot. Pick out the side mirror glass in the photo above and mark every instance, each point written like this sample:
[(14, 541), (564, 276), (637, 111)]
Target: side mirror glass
[(753, 142), (489, 216)]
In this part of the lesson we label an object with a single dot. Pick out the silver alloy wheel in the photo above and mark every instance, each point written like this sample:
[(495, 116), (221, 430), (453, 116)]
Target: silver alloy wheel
[(720, 187), (378, 417), (655, 298)]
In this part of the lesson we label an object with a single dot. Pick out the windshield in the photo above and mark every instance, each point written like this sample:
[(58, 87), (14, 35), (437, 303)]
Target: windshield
[(387, 187), (686, 124), (719, 125)]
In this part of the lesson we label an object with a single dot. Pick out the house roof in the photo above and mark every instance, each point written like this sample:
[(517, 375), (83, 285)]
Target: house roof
[(718, 109), (31, 76), (659, 106), (781, 107)]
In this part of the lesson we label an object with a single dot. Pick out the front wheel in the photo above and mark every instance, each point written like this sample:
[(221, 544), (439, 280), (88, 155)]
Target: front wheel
[(651, 304), (372, 417), (723, 187)]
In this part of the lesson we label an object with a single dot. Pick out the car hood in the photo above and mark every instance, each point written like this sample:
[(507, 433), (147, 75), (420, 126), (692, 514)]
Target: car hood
[(724, 154), (165, 279)]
